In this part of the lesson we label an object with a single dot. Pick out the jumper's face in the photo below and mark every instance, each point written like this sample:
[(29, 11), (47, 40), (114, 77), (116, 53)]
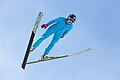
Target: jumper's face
[(70, 20)]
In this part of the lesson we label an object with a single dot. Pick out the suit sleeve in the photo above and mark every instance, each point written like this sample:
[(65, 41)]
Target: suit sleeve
[(53, 21), (67, 31)]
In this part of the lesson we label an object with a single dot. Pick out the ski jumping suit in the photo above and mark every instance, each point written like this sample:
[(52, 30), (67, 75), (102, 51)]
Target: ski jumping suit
[(59, 28)]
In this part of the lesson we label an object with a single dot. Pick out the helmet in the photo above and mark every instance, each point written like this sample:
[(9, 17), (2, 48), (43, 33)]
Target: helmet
[(72, 16)]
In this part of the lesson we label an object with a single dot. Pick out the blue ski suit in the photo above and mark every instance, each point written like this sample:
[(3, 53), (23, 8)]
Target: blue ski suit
[(58, 27)]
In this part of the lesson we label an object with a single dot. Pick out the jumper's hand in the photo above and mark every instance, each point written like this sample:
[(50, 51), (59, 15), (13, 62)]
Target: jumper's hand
[(44, 26), (62, 36)]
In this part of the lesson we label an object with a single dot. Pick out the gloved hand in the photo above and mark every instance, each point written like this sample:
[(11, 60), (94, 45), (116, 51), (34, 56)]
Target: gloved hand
[(62, 36), (44, 26)]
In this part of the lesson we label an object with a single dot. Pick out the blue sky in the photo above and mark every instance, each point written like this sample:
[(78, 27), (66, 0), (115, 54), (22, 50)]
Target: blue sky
[(97, 26)]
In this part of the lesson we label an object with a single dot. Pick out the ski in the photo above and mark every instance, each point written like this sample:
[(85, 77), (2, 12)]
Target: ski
[(31, 39), (57, 57)]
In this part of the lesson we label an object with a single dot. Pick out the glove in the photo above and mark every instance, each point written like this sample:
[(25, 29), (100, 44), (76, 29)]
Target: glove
[(44, 26), (62, 36)]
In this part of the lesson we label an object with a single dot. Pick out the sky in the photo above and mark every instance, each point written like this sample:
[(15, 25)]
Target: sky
[(97, 26)]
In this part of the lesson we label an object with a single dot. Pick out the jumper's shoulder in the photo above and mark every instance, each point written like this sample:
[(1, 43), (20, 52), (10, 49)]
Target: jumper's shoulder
[(62, 17)]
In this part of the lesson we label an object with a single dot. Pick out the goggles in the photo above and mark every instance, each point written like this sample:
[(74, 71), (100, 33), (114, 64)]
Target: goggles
[(71, 20)]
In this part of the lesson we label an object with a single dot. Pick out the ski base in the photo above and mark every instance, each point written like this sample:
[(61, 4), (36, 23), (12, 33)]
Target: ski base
[(31, 39), (57, 57)]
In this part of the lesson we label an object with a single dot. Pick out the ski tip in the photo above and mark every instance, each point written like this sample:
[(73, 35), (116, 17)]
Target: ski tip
[(41, 13), (90, 48)]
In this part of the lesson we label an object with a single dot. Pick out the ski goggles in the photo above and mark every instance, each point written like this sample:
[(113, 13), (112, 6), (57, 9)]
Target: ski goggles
[(71, 20)]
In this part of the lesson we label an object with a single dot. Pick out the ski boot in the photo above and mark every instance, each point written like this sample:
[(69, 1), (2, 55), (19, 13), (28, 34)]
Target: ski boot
[(31, 49), (44, 56)]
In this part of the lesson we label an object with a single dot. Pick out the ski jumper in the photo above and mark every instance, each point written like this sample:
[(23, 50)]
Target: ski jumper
[(58, 27)]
